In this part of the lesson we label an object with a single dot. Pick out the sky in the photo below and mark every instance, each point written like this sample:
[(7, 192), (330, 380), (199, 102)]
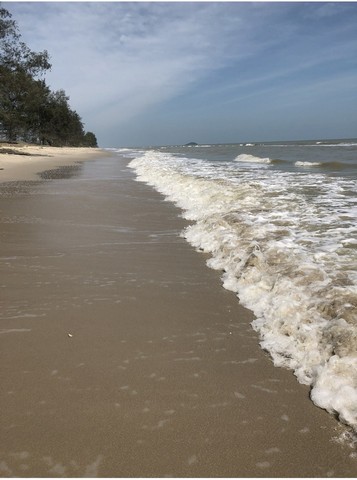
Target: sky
[(168, 73)]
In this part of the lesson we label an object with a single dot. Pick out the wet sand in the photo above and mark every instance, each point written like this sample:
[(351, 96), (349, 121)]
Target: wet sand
[(122, 355)]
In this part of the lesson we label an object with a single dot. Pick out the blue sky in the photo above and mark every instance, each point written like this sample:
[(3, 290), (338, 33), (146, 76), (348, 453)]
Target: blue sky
[(156, 73)]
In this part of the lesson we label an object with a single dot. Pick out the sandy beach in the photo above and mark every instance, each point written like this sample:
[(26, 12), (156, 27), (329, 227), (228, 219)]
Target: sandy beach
[(121, 353), (27, 161)]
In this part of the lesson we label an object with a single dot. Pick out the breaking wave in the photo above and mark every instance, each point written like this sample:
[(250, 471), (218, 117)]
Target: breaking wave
[(284, 241)]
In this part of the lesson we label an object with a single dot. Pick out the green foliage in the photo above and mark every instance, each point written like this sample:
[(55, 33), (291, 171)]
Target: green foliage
[(7, 26), (90, 140), (28, 109), (58, 124)]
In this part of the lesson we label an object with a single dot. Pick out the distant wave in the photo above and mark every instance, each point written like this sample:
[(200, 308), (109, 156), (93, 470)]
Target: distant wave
[(324, 165), (246, 158), (308, 164), (127, 152), (204, 146), (343, 144), (311, 145), (198, 146), (120, 150)]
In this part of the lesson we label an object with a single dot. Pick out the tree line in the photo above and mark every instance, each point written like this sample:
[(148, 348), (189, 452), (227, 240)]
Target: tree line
[(29, 110)]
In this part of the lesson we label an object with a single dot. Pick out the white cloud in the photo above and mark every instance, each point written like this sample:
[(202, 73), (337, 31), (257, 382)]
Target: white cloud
[(126, 57), (118, 61)]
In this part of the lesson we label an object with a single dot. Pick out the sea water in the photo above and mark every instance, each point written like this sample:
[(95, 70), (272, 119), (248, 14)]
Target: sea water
[(279, 220)]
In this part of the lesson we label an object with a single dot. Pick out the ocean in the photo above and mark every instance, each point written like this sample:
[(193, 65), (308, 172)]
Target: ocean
[(279, 220)]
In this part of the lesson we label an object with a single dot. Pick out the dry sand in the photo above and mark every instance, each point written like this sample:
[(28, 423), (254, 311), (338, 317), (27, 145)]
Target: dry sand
[(122, 355), (33, 159)]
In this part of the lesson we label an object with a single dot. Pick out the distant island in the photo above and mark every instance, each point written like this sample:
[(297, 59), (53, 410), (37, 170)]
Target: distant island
[(191, 144)]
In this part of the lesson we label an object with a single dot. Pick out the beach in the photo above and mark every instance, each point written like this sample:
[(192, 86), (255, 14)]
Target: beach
[(25, 161), (121, 353)]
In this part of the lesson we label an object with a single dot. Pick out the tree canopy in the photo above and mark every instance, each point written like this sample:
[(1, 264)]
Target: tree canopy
[(29, 110)]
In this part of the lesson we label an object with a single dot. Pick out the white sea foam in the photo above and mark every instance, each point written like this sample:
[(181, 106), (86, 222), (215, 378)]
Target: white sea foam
[(280, 239)]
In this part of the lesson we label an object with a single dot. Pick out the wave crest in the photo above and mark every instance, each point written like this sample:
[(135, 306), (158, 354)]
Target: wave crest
[(308, 164), (246, 158)]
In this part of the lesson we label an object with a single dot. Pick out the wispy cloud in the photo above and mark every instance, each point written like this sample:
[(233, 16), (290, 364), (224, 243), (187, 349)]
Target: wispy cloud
[(119, 61), (128, 56)]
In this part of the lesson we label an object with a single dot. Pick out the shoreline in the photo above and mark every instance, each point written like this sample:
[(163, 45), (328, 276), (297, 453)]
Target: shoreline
[(124, 357), (34, 159)]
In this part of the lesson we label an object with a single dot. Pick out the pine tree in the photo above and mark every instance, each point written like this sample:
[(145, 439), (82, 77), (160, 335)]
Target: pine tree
[(20, 72), (28, 109)]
